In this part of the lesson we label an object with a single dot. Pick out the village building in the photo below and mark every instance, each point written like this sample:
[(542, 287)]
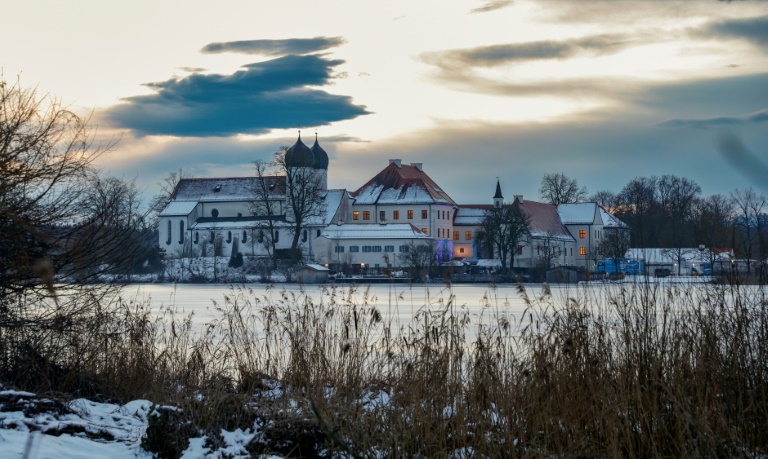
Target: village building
[(400, 207)]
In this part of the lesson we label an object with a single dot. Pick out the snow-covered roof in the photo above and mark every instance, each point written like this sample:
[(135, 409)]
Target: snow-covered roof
[(545, 221), (470, 215), (373, 231), (582, 213), (609, 221), (206, 224), (332, 200), (669, 256), (226, 189), (401, 184), (178, 208), (489, 263), (315, 267)]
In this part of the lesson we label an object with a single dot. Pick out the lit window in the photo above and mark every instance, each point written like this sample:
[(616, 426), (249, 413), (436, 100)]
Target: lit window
[(456, 236), (382, 215), (424, 214), (410, 215), (582, 250), (395, 214), (461, 250), (582, 234), (355, 215), (468, 235), (425, 231), (366, 215)]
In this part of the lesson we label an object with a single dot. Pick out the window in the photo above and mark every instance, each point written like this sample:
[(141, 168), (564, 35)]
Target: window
[(277, 236), (354, 248), (424, 214), (355, 215), (461, 250), (371, 248), (229, 237), (389, 248), (403, 248), (181, 231), (261, 236), (395, 215), (582, 234), (425, 231), (170, 228), (304, 236), (468, 235), (582, 250), (455, 235), (215, 213), (318, 233), (245, 236), (339, 249), (212, 237), (382, 215), (366, 215), (197, 237), (410, 215), (519, 249)]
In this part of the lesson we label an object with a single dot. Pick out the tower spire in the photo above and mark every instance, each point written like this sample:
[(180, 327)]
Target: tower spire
[(498, 199)]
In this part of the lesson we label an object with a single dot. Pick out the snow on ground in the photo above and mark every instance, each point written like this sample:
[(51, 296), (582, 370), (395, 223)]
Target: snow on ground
[(40, 427)]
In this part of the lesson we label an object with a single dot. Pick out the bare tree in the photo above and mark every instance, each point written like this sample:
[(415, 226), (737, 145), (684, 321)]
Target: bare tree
[(269, 193), (503, 230), (163, 197), (614, 244), (750, 219), (548, 248), (559, 189), (46, 157), (418, 259), (713, 216), (606, 199)]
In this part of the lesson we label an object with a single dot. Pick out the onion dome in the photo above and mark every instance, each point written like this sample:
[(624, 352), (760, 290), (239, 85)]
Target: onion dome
[(299, 155), (321, 157)]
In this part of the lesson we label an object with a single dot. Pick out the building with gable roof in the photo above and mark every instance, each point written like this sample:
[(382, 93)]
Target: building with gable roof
[(398, 207)]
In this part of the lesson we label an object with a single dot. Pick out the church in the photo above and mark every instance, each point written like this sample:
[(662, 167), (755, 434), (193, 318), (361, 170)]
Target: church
[(399, 208)]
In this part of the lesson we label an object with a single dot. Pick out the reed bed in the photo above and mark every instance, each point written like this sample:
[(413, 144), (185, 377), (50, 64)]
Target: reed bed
[(636, 370)]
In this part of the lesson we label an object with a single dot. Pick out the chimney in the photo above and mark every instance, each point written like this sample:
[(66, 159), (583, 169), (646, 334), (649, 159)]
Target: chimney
[(419, 166), (519, 197), (396, 162)]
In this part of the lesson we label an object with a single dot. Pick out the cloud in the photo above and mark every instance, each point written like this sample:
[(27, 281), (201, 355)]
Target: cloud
[(274, 47), (491, 5), (754, 29), (192, 69), (759, 116), (263, 96), (496, 55)]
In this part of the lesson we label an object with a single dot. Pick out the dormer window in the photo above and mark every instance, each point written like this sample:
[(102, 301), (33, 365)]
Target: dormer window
[(217, 188)]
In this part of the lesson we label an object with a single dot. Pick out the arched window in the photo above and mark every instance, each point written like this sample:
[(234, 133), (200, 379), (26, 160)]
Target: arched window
[(245, 236), (277, 236), (170, 229), (211, 239), (181, 231), (318, 233), (261, 236), (304, 236), (197, 237), (229, 237)]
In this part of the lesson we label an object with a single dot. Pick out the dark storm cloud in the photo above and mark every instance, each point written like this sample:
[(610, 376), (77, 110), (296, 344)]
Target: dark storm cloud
[(495, 55), (274, 47), (760, 116), (262, 96), (492, 5), (753, 29)]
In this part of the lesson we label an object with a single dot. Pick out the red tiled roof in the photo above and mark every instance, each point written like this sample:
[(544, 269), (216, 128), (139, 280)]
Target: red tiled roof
[(400, 180)]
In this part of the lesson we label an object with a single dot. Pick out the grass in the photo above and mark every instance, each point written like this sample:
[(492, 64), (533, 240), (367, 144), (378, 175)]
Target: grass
[(635, 370)]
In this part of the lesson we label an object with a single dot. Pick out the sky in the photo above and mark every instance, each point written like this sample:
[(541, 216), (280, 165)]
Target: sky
[(601, 90)]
